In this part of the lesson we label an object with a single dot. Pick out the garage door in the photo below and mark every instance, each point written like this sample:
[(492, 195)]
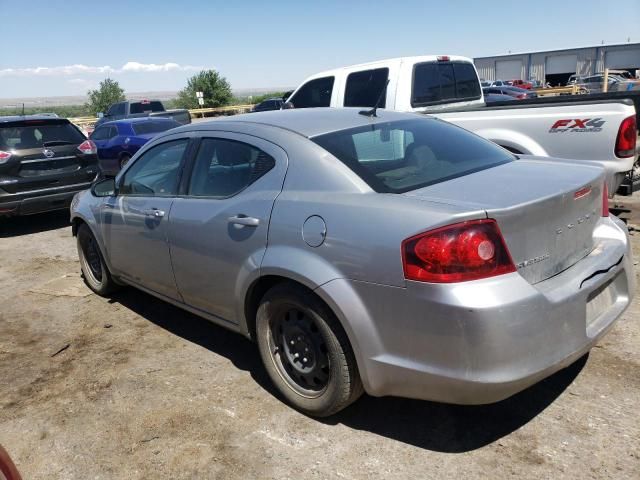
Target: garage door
[(508, 69), (561, 64), (622, 59)]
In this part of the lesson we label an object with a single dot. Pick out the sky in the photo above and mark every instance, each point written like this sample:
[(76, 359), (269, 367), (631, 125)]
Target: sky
[(65, 47)]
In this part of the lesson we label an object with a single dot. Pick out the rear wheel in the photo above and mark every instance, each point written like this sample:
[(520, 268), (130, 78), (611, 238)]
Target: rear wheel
[(306, 352), (94, 270), (124, 159)]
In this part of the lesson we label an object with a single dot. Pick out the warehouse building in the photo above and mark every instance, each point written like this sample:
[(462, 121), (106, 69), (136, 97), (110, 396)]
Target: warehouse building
[(556, 66)]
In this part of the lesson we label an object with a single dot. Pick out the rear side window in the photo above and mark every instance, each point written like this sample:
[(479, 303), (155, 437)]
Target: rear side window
[(153, 127), (444, 82), (364, 88), (142, 107), (37, 134), (225, 167), (314, 93), (397, 157)]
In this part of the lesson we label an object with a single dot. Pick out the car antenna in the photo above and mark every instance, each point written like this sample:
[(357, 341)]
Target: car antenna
[(372, 112)]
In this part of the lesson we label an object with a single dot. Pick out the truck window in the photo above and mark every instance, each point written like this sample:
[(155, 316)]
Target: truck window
[(314, 93), (444, 82), (364, 88), (145, 106)]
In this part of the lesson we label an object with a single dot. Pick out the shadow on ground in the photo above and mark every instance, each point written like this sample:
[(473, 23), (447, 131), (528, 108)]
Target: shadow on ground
[(30, 224), (433, 426)]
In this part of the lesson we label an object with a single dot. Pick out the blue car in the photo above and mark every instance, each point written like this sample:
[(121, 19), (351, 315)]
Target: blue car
[(119, 140)]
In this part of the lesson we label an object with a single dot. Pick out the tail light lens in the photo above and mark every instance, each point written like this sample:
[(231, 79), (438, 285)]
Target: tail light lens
[(88, 147), (457, 253), (626, 141), (522, 96), (4, 156), (605, 200)]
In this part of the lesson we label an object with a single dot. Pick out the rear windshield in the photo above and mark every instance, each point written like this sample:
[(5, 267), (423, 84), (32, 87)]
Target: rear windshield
[(153, 127), (37, 133), (142, 107), (444, 82), (397, 157)]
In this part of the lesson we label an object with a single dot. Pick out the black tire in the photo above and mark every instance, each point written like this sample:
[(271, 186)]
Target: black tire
[(94, 270), (124, 158), (290, 321)]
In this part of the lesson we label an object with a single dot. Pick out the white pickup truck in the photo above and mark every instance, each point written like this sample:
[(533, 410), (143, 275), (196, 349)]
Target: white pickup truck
[(448, 87)]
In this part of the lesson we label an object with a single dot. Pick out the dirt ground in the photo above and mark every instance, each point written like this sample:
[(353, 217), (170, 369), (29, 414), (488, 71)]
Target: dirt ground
[(133, 388)]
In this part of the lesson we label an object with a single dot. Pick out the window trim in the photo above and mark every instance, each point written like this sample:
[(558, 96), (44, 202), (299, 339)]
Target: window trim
[(346, 86), (415, 104), (185, 193), (181, 169)]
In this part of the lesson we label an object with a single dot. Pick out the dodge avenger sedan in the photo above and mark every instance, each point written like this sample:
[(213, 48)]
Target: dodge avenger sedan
[(389, 253)]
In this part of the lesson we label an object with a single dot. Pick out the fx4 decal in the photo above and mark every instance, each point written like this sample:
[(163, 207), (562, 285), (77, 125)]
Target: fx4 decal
[(577, 125)]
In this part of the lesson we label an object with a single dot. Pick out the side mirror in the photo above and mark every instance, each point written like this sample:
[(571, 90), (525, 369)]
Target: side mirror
[(100, 115), (287, 106), (104, 188)]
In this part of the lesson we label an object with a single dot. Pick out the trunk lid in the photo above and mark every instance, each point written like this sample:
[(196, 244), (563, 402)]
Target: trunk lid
[(546, 210)]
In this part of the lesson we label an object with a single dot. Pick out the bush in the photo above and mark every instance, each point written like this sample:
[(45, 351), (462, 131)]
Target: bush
[(215, 88)]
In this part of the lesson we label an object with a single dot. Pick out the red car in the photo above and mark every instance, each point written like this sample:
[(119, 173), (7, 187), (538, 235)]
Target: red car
[(521, 84)]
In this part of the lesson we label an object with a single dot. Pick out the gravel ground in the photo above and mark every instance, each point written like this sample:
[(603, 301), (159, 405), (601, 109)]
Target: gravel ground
[(134, 388)]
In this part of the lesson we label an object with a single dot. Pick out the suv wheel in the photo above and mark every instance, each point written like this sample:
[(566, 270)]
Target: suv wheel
[(306, 352), (94, 270)]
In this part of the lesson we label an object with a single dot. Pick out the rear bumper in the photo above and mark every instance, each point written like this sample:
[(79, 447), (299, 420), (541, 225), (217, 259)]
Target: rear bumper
[(482, 341), (38, 201)]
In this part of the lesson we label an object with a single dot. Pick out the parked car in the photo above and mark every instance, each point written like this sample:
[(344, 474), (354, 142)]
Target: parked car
[(119, 140), (143, 108), (497, 97), (424, 273), (595, 83), (521, 84), (515, 92), (269, 104), (44, 161), (448, 87), (484, 83), (498, 83)]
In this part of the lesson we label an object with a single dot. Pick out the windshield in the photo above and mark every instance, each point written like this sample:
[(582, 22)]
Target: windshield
[(36, 133), (153, 127), (397, 157)]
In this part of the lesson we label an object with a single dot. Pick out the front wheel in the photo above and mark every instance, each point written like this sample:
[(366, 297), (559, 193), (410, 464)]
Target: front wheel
[(306, 352), (94, 270)]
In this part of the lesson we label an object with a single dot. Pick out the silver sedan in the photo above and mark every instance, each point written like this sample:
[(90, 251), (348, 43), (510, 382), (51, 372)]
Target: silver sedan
[(389, 253)]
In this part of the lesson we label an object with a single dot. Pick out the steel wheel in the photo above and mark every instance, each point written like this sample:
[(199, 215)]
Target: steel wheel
[(95, 272), (92, 258), (300, 352)]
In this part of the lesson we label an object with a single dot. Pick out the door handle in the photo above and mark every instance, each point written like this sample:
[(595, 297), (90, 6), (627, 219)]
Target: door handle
[(244, 220), (154, 212)]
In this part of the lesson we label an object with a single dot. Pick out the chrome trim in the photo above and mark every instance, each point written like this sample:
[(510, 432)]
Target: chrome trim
[(62, 187), (47, 159)]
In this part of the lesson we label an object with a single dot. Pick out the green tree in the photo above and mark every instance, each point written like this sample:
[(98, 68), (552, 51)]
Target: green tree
[(108, 92), (215, 88)]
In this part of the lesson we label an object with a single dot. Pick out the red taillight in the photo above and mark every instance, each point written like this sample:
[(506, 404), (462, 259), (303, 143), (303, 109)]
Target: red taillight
[(522, 96), (4, 156), (605, 200), (88, 147), (626, 141), (457, 253)]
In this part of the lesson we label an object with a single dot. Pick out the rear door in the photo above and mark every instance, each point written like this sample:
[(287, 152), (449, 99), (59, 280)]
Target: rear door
[(218, 230), (44, 154), (135, 221)]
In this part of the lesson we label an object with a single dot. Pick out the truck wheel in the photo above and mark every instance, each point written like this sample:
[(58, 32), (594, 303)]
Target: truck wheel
[(306, 352), (124, 159), (94, 270)]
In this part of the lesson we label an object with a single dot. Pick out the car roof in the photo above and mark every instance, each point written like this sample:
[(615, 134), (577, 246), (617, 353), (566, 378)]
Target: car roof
[(18, 118), (308, 122), (138, 120)]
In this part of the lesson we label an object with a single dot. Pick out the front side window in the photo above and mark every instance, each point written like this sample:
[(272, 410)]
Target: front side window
[(440, 82), (100, 133), (157, 172), (364, 88), (226, 167), (396, 157), (314, 93)]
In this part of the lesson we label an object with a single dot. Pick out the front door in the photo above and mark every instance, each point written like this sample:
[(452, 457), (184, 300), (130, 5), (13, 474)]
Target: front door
[(218, 231), (136, 219)]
